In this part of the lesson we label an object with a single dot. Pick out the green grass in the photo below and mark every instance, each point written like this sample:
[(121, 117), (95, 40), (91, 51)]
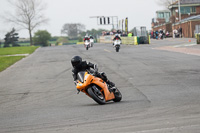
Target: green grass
[(7, 61), (73, 41), (24, 44), (28, 43), (52, 42), (70, 41), (17, 50)]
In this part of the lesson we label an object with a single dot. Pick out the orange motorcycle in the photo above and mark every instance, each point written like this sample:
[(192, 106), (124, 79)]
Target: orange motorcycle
[(96, 88)]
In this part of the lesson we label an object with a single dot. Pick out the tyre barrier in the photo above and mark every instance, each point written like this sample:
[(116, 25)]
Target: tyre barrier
[(198, 38)]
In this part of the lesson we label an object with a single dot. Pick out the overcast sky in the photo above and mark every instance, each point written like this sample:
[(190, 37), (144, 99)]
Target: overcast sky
[(59, 12)]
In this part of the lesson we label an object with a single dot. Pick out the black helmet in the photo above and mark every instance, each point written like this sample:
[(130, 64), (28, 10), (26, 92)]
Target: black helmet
[(76, 61)]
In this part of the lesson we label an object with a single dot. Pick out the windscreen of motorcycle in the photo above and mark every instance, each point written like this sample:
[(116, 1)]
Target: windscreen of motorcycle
[(81, 76)]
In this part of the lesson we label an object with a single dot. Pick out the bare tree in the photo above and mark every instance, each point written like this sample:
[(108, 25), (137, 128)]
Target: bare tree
[(72, 29), (165, 3), (28, 15)]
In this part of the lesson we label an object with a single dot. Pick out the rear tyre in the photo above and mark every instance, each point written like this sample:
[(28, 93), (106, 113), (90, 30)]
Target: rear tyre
[(96, 95), (118, 96)]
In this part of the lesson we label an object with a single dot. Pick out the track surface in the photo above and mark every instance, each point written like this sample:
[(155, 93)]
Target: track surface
[(160, 88)]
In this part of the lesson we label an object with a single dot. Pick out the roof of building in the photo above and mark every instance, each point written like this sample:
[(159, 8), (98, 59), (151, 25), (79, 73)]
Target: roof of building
[(190, 1), (197, 17), (185, 3), (163, 11), (192, 18)]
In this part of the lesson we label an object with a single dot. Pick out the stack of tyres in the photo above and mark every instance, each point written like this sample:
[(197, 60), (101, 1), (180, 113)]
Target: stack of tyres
[(143, 40), (198, 38), (138, 40)]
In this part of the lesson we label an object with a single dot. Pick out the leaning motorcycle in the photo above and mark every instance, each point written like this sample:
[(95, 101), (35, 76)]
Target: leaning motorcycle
[(117, 43), (87, 44), (96, 88)]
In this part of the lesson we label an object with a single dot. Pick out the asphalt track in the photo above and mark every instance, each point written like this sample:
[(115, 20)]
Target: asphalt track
[(160, 85)]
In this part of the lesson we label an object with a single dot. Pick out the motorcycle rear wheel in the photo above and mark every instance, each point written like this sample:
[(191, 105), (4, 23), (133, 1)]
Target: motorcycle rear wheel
[(96, 95)]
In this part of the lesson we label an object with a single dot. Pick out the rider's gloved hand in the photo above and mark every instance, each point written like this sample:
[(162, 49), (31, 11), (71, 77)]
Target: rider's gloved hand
[(75, 82)]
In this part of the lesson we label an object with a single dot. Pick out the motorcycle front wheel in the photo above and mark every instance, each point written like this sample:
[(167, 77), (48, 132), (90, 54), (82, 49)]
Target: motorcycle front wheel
[(118, 96), (96, 95), (117, 49)]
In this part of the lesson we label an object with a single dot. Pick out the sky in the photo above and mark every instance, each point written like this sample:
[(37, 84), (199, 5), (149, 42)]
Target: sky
[(59, 12)]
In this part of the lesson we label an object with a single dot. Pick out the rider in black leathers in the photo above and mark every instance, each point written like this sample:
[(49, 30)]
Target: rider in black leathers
[(86, 38), (91, 37), (116, 37), (79, 65)]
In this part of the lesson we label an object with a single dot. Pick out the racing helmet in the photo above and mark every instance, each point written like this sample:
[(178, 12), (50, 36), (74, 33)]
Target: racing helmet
[(76, 61)]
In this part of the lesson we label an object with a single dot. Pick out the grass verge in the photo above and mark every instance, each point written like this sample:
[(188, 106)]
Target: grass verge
[(17, 50), (8, 61)]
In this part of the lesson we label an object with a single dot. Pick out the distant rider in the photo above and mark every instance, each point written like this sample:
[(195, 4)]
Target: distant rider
[(86, 38), (79, 65), (91, 37), (116, 37)]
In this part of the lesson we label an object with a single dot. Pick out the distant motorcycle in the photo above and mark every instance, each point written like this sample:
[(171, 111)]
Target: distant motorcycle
[(91, 42), (87, 44), (117, 44)]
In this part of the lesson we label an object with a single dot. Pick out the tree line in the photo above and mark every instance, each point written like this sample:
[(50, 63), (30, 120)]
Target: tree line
[(77, 30), (29, 14)]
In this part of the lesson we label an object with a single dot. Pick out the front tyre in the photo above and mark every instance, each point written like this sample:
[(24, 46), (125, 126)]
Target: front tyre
[(118, 96), (96, 95), (117, 48)]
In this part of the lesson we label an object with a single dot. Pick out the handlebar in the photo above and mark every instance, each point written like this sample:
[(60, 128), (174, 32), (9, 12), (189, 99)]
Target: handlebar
[(93, 71)]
